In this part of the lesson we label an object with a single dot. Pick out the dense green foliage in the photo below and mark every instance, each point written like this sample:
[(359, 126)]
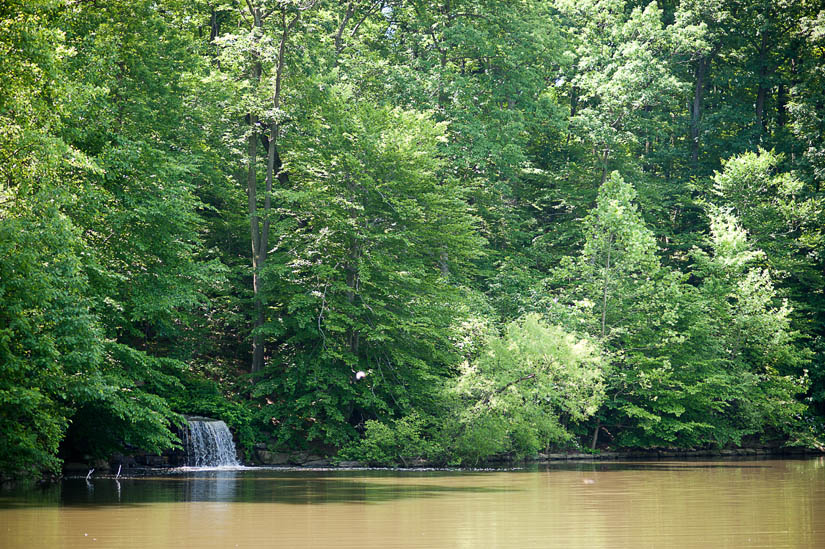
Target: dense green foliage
[(524, 392), (410, 229)]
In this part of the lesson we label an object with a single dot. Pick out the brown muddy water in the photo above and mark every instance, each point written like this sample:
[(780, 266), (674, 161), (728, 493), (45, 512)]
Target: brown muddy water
[(641, 504)]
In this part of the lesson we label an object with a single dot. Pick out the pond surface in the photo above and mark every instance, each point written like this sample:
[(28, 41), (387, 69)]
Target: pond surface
[(641, 504)]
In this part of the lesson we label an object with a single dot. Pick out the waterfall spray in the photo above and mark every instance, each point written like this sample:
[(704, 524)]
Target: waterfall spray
[(209, 444)]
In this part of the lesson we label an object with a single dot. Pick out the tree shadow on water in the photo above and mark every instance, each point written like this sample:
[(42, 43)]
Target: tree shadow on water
[(227, 488)]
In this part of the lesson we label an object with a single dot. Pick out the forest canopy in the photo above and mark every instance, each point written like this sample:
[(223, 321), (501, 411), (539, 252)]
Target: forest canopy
[(402, 229)]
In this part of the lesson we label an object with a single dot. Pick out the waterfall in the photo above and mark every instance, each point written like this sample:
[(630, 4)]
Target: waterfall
[(209, 444)]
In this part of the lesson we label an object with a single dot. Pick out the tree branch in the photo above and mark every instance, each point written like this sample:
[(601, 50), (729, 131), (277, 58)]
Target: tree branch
[(251, 7), (505, 387), (361, 21)]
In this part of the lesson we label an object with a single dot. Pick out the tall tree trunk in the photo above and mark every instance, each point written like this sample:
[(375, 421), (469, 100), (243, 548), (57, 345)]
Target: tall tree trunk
[(259, 254), (781, 106), (595, 440), (762, 90), (254, 230), (605, 155), (254, 222), (353, 335), (352, 272), (606, 284), (444, 264), (260, 235), (214, 25), (761, 93), (696, 111)]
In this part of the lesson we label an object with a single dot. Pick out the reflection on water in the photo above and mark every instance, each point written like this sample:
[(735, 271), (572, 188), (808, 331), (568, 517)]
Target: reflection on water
[(250, 486), (642, 504)]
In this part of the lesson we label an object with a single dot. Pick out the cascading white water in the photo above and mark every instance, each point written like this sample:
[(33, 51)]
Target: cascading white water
[(209, 444)]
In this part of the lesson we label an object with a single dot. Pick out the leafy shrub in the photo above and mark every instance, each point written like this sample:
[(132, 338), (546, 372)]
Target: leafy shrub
[(511, 398), (395, 443)]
